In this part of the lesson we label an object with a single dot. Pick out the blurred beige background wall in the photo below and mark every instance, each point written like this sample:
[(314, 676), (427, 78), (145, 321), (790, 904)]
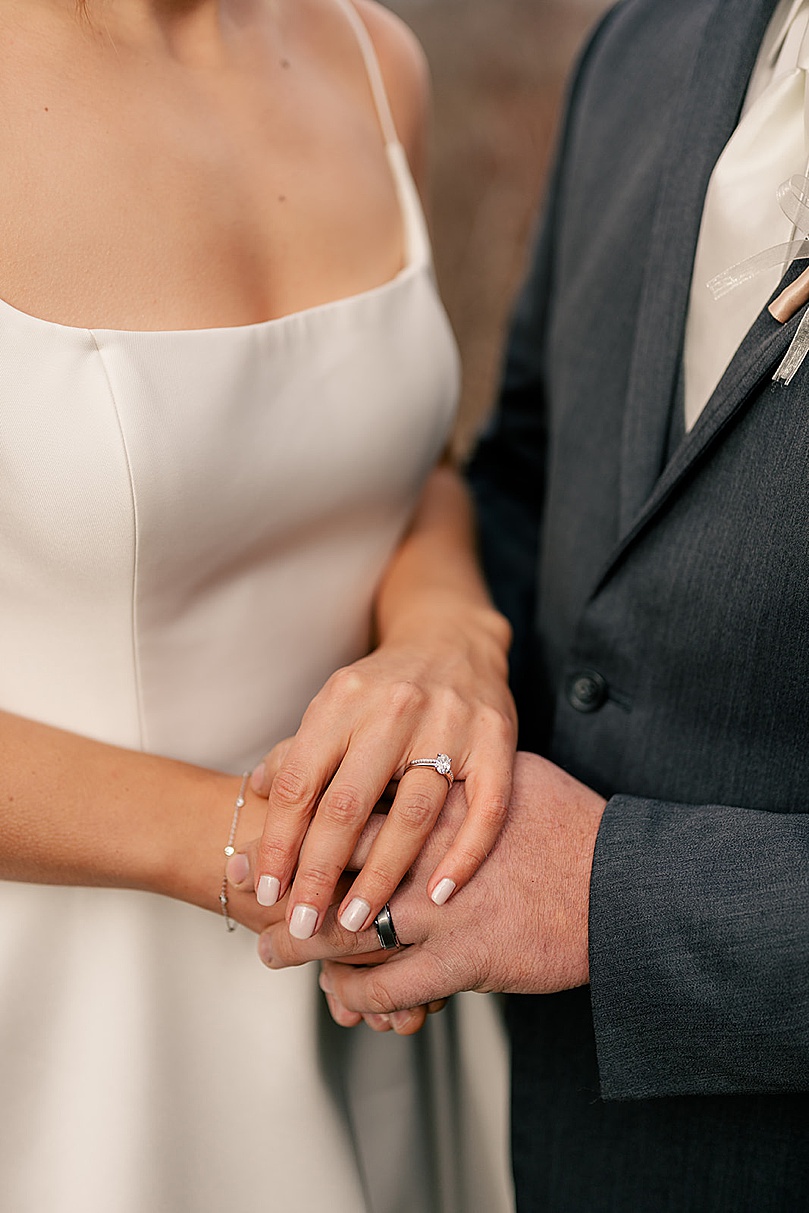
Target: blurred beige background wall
[(499, 69)]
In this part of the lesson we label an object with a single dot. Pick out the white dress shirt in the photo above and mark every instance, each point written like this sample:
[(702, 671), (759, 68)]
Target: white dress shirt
[(741, 215)]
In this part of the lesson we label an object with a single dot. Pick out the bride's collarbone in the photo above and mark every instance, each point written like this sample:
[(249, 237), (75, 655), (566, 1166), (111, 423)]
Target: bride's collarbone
[(141, 198), (131, 229)]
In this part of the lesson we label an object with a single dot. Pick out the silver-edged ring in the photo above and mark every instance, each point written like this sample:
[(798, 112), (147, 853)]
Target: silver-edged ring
[(385, 930), (442, 763)]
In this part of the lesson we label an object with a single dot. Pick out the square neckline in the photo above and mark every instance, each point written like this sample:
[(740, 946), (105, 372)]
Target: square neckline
[(417, 257), (418, 253)]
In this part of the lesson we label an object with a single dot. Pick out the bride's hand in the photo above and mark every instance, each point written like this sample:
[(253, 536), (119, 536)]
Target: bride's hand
[(437, 685), (240, 869)]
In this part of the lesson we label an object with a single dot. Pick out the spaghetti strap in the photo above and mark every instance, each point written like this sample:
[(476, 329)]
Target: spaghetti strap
[(374, 73)]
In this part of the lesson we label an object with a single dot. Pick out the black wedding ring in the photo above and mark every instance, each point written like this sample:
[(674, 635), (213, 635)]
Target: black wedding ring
[(386, 931)]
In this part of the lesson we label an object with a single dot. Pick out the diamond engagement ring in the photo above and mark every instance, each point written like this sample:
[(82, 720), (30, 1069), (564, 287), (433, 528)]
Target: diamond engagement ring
[(386, 931), (441, 763)]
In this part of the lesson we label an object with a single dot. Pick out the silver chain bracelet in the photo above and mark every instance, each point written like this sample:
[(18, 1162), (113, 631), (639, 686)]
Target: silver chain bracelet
[(230, 850)]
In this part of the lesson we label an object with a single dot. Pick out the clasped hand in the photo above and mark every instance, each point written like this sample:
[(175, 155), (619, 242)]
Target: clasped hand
[(416, 695), (520, 926)]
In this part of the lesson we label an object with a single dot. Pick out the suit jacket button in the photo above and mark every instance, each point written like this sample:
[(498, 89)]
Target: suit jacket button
[(586, 691)]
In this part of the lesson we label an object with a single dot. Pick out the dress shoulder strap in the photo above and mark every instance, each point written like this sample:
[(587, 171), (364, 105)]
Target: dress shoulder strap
[(374, 72)]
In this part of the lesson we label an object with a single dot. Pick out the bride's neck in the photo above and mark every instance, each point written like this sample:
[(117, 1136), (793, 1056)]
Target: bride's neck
[(191, 30)]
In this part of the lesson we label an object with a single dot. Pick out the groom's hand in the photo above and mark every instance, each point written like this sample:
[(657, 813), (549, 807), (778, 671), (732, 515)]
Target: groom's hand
[(519, 926), (246, 909)]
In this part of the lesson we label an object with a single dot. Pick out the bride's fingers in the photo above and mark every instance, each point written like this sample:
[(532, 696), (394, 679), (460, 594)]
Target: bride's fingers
[(241, 867), (342, 812), (278, 949), (265, 771), (295, 791), (419, 799), (487, 787), (320, 776)]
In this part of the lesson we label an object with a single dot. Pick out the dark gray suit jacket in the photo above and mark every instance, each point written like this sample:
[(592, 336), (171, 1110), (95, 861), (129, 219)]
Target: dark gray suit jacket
[(660, 597)]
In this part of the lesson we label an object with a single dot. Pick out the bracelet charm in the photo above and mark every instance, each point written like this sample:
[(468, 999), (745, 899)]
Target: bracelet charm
[(230, 849)]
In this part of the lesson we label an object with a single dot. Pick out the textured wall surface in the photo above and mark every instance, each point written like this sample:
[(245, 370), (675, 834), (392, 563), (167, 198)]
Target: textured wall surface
[(499, 69)]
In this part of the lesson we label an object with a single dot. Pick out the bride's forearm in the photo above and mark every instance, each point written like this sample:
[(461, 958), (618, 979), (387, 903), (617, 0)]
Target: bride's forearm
[(434, 580), (78, 812)]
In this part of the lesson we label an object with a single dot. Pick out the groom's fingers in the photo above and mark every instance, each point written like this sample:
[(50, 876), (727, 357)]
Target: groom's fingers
[(277, 949), (341, 1015), (411, 978), (403, 1023)]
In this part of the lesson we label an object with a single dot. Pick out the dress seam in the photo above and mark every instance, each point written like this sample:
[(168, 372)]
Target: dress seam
[(135, 545)]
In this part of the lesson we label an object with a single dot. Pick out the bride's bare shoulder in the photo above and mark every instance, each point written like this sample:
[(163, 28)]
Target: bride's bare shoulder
[(396, 45), (407, 79)]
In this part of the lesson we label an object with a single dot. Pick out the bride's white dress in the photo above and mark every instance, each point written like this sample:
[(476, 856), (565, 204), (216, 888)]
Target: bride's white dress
[(192, 525)]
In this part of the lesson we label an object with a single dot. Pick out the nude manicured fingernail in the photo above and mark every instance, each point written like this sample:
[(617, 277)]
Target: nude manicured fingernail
[(238, 869), (264, 950), (355, 914), (258, 777), (400, 1019), (268, 889), (442, 891), (303, 922)]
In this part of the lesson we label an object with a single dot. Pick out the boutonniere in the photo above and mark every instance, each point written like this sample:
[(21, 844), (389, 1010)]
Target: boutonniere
[(793, 198)]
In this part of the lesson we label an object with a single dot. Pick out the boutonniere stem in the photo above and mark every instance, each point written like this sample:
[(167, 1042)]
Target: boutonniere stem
[(791, 299)]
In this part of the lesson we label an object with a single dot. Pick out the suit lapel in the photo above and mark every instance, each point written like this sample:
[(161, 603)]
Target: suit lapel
[(755, 361), (708, 113)]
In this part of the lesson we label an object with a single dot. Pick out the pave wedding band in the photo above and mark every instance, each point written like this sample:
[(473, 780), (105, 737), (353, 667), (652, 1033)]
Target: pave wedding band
[(385, 929), (441, 763)]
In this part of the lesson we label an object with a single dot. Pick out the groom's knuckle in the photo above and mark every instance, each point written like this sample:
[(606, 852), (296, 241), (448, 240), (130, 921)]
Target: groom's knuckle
[(378, 993), (282, 951), (352, 943)]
